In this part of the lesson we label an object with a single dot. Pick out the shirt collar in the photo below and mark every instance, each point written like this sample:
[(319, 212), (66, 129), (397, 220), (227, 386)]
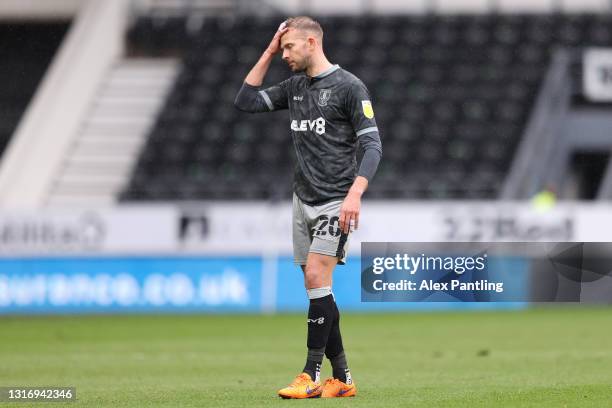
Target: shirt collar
[(327, 72)]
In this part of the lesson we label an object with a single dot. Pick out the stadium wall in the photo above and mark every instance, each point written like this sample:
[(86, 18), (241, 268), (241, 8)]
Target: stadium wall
[(93, 44), (39, 9), (438, 6), (218, 258)]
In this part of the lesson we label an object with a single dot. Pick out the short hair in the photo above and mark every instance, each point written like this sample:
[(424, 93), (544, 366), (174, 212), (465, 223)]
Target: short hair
[(305, 23)]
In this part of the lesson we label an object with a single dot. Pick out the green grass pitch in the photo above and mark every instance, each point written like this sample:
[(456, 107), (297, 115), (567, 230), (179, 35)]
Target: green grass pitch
[(553, 357)]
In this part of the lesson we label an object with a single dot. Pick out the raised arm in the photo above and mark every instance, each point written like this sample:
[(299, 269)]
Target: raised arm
[(250, 98)]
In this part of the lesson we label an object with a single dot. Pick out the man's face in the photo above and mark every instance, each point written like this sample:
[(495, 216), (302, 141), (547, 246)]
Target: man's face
[(296, 50)]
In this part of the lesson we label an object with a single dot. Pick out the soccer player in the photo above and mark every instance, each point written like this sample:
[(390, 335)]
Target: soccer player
[(330, 115)]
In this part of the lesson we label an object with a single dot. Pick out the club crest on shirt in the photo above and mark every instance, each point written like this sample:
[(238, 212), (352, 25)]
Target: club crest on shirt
[(368, 111), (324, 95)]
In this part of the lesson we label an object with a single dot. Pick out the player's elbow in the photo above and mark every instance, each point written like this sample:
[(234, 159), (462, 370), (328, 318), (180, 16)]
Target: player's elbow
[(246, 99), (374, 149), (241, 104)]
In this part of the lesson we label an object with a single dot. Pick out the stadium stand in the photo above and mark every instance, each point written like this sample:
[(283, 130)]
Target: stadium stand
[(452, 96), (26, 49)]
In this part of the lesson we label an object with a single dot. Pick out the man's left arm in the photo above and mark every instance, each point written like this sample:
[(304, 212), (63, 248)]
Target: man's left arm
[(359, 106)]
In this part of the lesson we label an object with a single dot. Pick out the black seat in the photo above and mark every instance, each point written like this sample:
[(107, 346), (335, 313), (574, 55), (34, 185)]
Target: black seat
[(452, 95)]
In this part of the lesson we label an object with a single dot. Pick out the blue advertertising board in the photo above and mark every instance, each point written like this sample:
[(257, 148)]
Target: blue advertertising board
[(177, 285), (98, 285)]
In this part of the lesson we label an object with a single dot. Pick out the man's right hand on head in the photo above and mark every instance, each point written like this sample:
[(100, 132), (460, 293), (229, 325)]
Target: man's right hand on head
[(274, 46)]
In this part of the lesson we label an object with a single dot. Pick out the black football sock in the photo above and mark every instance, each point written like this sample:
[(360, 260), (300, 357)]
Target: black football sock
[(334, 342), (335, 351), (314, 359), (340, 368), (320, 321)]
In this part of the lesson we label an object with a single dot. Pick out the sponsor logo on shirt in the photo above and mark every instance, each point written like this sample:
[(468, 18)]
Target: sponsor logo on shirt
[(298, 98), (316, 125)]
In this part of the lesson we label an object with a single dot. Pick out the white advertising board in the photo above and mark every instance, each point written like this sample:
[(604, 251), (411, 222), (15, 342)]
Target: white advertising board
[(597, 74), (119, 230), (257, 228)]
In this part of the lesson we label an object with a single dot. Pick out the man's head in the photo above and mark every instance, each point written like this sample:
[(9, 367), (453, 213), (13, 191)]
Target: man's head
[(302, 42)]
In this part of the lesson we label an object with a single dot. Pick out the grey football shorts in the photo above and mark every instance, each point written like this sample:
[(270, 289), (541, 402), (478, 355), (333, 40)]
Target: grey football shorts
[(317, 229)]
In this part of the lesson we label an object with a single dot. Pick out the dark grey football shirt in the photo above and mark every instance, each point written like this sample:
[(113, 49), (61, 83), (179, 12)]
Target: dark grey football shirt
[(328, 114)]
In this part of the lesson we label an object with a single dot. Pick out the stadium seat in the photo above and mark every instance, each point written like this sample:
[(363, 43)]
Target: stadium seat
[(452, 95), (24, 59)]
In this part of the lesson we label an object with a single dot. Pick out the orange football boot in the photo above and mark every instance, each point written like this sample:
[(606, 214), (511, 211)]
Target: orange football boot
[(301, 387), (333, 388)]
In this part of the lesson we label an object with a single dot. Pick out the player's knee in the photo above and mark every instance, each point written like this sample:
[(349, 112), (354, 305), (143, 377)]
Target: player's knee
[(313, 276), (312, 281)]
